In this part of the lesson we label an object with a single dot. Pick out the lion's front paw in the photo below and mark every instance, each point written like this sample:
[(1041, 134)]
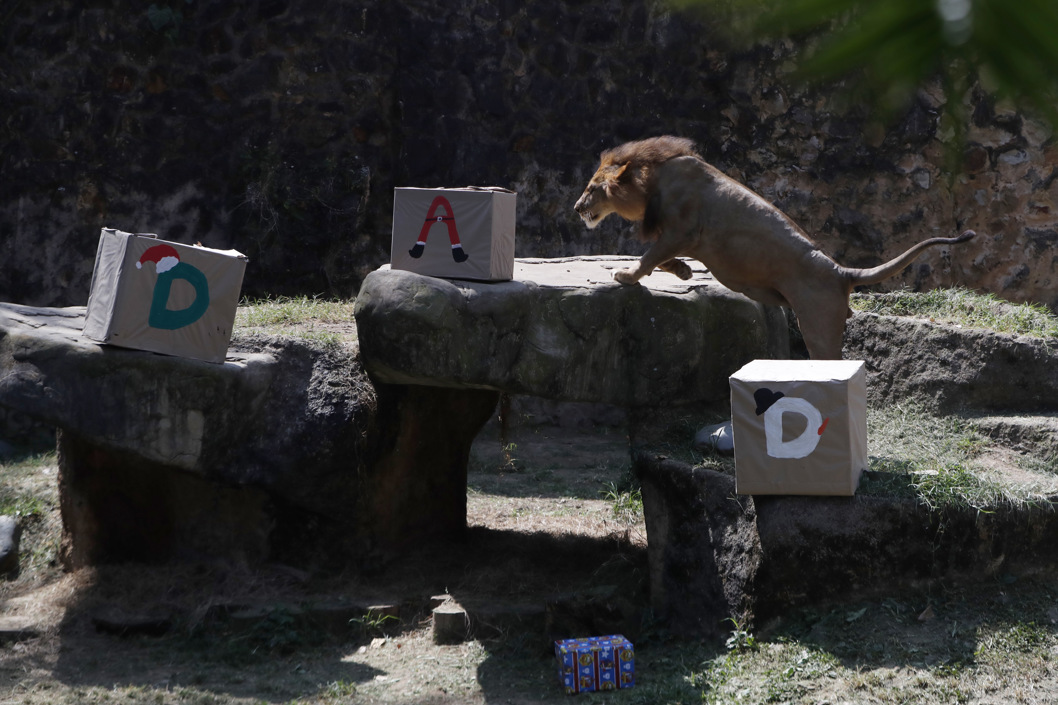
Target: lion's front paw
[(625, 276), (678, 267)]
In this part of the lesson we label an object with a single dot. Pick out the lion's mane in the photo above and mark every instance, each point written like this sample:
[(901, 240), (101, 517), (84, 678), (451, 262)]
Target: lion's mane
[(644, 156)]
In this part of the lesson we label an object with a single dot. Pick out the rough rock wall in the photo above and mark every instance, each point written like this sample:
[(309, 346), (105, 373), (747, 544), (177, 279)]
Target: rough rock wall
[(280, 127)]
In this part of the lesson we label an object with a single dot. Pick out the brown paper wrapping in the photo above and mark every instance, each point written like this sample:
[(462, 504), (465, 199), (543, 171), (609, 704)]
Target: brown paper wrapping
[(163, 297), (464, 233), (799, 426)]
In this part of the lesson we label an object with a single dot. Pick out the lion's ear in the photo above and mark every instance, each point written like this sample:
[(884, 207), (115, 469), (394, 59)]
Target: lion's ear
[(613, 175)]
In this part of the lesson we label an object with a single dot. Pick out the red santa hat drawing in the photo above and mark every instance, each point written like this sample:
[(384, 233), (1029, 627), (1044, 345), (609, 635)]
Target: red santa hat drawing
[(164, 257)]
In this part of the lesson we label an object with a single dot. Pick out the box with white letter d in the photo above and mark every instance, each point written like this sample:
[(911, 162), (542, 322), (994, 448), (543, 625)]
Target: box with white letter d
[(799, 426)]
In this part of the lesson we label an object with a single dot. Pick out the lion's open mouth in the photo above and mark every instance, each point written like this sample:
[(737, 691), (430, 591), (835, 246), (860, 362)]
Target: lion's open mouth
[(590, 218)]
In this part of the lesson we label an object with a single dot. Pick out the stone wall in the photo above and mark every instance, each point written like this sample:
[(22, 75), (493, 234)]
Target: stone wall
[(280, 127)]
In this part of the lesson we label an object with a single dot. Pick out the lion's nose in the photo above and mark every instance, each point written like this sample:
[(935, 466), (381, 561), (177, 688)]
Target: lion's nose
[(579, 205)]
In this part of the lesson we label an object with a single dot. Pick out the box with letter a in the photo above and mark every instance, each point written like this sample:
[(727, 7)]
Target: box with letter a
[(163, 297), (456, 233), (799, 426)]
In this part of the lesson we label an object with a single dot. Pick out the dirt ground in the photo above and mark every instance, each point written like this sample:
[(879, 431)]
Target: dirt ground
[(540, 532), (549, 550)]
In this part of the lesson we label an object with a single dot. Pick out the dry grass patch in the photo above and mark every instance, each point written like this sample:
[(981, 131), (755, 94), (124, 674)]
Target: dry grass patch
[(313, 318), (963, 307)]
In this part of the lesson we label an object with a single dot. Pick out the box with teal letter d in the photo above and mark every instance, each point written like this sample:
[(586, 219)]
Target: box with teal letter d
[(163, 297)]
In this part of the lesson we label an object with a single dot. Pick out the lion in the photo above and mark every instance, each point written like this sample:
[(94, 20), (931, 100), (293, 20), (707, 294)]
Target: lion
[(689, 208)]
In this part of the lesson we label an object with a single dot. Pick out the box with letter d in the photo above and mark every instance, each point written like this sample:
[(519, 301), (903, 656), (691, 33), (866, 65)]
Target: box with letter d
[(163, 297), (799, 426), (457, 233)]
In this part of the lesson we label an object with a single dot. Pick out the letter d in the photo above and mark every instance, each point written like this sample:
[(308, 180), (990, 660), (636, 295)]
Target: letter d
[(804, 444), (161, 316)]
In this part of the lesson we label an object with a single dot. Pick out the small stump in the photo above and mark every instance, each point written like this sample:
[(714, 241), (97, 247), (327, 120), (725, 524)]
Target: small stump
[(450, 624)]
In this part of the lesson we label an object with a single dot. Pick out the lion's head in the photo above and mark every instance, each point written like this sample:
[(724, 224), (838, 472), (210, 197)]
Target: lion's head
[(624, 179), (604, 195)]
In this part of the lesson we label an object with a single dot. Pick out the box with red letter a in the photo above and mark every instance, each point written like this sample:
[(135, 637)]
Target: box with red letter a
[(456, 233)]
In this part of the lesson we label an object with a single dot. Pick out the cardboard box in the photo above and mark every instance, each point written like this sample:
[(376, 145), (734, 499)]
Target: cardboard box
[(163, 297), (799, 426), (596, 663), (463, 233)]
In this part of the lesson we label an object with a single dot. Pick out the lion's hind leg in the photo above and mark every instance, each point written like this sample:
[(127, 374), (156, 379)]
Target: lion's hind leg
[(822, 322)]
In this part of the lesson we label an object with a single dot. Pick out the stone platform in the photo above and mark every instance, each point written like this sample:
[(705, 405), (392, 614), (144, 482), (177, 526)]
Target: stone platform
[(441, 352), (288, 447), (164, 457), (564, 330), (718, 558)]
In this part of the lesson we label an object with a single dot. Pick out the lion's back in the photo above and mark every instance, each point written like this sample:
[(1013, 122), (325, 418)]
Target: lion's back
[(693, 194)]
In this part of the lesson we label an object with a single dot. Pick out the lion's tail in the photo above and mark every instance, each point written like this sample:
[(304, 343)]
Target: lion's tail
[(874, 275)]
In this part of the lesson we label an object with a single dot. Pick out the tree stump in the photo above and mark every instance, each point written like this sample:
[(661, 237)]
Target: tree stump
[(450, 624)]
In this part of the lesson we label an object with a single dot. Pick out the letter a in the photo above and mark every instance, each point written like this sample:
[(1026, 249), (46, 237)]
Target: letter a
[(450, 220)]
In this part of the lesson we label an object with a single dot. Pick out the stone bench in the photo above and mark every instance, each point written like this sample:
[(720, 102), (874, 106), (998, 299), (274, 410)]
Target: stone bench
[(564, 330), (165, 457), (441, 352)]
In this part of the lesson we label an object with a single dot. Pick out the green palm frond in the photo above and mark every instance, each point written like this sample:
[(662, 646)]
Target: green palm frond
[(895, 45)]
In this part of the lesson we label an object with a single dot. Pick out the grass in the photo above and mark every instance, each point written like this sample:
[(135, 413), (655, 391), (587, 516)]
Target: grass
[(284, 310), (626, 502), (22, 506), (771, 672), (963, 307), (938, 460), (327, 321), (29, 493), (882, 652)]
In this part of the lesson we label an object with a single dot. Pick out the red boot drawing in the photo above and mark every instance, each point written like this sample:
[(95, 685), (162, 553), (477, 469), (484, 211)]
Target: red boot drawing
[(450, 220)]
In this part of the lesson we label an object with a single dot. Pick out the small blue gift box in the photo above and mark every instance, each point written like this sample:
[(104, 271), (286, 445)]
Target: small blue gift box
[(595, 663)]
